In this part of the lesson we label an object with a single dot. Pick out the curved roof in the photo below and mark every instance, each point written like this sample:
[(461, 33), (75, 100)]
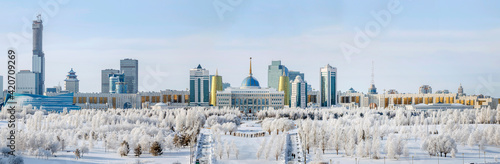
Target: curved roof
[(250, 82)]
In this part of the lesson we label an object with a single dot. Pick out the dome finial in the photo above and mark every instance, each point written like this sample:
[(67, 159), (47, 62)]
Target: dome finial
[(250, 66), (217, 72)]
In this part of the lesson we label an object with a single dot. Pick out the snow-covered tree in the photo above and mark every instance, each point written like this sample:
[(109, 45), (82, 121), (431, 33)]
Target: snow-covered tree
[(235, 149), (124, 149), (138, 150), (156, 149)]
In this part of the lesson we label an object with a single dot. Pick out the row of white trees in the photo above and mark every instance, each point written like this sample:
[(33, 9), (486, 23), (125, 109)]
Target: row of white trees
[(360, 133), (77, 129), (275, 147), (277, 125)]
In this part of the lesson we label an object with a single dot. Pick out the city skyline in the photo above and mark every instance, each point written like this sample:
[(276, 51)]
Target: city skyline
[(443, 52)]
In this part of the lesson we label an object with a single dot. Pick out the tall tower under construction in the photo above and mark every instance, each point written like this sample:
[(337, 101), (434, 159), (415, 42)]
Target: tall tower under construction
[(38, 61)]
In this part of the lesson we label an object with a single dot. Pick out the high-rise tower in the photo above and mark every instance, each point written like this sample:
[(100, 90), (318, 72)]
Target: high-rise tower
[(38, 61), (130, 67), (328, 85), (284, 85), (105, 79), (71, 83), (299, 93), (216, 86), (275, 70), (198, 86)]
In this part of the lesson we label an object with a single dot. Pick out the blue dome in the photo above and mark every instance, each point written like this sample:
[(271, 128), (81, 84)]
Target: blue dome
[(250, 81)]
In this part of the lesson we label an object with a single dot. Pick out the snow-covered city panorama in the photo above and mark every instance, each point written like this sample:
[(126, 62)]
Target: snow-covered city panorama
[(211, 135), (250, 82)]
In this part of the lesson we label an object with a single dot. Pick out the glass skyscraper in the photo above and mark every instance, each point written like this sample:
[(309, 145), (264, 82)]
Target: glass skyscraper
[(38, 60), (199, 85), (328, 85), (293, 74), (275, 70), (105, 79), (130, 67)]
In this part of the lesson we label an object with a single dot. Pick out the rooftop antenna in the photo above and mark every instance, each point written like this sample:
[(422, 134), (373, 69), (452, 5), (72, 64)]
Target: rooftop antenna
[(39, 17)]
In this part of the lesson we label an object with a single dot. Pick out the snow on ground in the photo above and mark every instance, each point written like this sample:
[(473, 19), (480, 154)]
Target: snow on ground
[(3, 124), (247, 146), (470, 154), (98, 155)]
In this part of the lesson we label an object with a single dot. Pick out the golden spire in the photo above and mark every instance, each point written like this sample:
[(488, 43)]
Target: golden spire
[(250, 66), (216, 71)]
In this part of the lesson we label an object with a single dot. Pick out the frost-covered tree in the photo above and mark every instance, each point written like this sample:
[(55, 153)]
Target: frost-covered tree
[(228, 148), (84, 149), (261, 148), (318, 156), (235, 149), (124, 149), (156, 149), (138, 150)]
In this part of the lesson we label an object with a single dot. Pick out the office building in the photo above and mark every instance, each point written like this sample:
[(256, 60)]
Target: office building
[(105, 79), (460, 90), (38, 60), (130, 67), (140, 100), (199, 86), (293, 74), (284, 86), (71, 83), (114, 79), (275, 70), (438, 100), (425, 89), (56, 103), (328, 86), (225, 85), (27, 82), (216, 86), (299, 93), (121, 87)]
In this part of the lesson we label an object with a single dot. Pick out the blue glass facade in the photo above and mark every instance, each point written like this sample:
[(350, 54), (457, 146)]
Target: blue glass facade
[(48, 103)]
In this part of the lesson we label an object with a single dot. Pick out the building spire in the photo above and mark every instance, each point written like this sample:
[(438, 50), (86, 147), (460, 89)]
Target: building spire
[(250, 66), (217, 72)]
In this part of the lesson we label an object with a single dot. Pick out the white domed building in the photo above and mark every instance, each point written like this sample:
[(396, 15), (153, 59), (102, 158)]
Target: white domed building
[(250, 97)]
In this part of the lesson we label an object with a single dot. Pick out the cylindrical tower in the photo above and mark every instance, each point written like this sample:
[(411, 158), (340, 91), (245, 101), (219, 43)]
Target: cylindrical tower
[(121, 87), (284, 86), (112, 84), (216, 86)]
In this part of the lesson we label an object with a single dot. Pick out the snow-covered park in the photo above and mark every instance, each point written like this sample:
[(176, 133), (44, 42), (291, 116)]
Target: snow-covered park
[(211, 135)]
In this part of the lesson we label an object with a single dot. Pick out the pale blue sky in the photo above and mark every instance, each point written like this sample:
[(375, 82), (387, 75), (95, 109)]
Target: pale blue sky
[(440, 43)]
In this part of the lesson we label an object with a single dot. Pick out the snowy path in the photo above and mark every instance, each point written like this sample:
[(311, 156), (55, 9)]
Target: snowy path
[(297, 149)]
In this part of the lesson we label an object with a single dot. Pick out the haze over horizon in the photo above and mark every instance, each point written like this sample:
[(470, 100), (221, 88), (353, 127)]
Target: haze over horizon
[(439, 43)]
